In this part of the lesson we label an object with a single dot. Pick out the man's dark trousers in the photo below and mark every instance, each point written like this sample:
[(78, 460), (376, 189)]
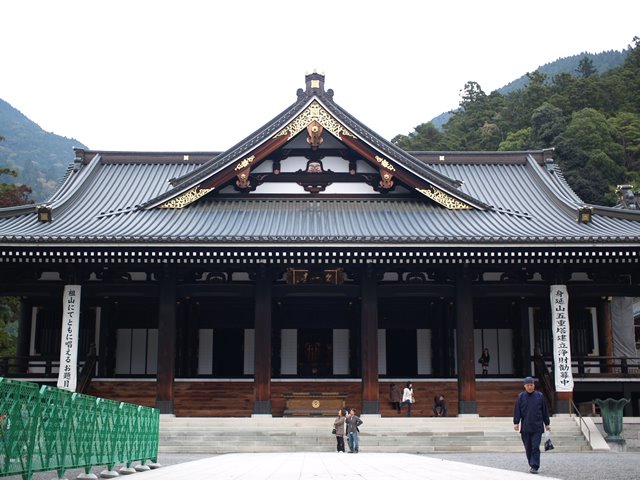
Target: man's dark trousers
[(531, 442)]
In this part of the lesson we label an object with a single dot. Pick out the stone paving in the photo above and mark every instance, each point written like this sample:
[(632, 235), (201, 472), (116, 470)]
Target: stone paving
[(375, 466)]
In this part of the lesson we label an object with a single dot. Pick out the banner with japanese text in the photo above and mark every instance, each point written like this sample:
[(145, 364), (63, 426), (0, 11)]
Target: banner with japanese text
[(68, 373), (561, 341)]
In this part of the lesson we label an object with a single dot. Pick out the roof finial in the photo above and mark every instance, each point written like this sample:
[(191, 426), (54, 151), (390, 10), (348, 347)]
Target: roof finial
[(314, 83)]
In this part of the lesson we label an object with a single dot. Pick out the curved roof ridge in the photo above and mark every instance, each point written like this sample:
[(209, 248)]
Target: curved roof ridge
[(552, 188), (67, 190), (18, 210), (75, 184), (389, 148), (65, 183), (324, 98), (189, 180), (564, 187), (247, 143), (408, 161)]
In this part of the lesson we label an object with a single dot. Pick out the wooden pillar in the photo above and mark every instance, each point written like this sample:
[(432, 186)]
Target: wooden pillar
[(262, 368), (605, 333), (105, 346), (24, 334), (464, 340), (166, 342), (369, 344), (523, 360)]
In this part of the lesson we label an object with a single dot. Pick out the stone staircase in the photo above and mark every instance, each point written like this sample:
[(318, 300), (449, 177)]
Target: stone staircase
[(403, 435)]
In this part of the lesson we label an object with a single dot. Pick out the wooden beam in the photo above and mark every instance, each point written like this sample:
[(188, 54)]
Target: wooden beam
[(370, 156), (258, 155)]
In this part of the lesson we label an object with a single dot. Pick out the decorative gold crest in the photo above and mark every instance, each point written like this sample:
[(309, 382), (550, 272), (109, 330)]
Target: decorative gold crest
[(443, 199), (320, 115), (186, 198), (385, 163), (245, 163)]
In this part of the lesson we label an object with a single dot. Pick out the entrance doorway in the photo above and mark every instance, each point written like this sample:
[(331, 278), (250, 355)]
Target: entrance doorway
[(402, 352), (315, 352), (316, 336)]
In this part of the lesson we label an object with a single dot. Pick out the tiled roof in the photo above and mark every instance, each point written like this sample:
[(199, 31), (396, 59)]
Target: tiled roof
[(532, 205)]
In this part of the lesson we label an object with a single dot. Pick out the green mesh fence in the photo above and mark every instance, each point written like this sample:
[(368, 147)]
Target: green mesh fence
[(44, 428)]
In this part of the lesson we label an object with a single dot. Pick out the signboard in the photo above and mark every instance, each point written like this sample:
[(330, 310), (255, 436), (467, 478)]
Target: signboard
[(68, 373), (561, 341)]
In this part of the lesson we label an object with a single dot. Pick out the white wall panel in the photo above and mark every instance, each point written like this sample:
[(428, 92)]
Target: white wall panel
[(289, 351), (205, 351), (123, 351), (341, 351), (423, 336), (505, 362)]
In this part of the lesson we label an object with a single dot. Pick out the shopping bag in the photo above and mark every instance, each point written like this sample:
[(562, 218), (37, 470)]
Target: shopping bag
[(548, 444)]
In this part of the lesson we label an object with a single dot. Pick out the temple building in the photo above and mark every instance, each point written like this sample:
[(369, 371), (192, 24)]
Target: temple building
[(315, 260)]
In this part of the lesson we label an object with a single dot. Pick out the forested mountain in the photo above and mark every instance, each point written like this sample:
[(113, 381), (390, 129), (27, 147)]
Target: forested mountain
[(40, 158), (602, 62), (592, 121)]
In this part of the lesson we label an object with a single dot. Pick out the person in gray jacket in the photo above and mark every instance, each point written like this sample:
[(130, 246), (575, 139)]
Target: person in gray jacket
[(530, 418), (353, 421)]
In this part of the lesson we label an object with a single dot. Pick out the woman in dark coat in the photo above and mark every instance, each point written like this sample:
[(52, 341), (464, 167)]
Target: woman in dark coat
[(338, 424), (484, 361), (395, 395)]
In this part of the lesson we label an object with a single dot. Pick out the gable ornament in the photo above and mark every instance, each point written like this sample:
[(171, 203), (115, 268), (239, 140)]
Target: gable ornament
[(443, 199), (186, 198), (314, 113)]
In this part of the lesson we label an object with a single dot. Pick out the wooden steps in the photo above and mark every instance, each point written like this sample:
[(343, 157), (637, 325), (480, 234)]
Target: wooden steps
[(495, 398), (213, 399), (377, 434)]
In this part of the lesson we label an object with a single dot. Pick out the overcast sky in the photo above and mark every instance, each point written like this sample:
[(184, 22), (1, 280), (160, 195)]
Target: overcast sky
[(201, 75)]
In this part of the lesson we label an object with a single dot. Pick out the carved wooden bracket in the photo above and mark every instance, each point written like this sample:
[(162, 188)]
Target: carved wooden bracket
[(386, 178), (314, 129), (242, 178)]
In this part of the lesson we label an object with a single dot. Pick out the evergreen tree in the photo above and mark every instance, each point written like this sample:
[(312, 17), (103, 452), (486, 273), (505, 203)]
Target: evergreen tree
[(586, 68), (592, 119)]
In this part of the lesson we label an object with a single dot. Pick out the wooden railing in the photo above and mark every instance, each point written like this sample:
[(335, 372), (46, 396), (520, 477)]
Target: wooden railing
[(608, 366), (29, 366), (602, 366), (38, 366)]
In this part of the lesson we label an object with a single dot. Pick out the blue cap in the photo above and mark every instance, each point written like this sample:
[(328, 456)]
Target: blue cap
[(528, 380)]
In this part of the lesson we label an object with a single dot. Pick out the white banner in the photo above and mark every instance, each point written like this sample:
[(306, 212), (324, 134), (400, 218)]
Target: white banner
[(561, 341), (68, 373)]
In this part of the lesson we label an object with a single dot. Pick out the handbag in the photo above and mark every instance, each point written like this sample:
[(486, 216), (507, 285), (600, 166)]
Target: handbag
[(548, 444), (333, 432)]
